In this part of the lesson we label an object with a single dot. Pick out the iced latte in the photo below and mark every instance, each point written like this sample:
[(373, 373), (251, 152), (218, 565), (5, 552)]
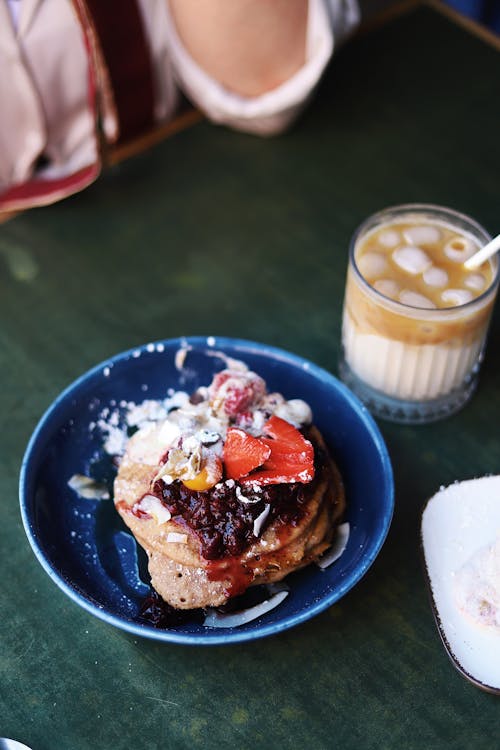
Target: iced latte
[(415, 320)]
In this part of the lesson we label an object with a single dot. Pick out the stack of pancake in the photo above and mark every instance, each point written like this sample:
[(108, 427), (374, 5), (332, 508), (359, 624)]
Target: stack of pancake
[(180, 573)]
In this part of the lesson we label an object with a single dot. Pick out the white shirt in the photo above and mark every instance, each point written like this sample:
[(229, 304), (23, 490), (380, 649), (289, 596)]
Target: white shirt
[(45, 107)]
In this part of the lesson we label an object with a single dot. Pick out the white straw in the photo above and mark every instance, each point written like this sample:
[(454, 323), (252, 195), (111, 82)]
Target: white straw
[(486, 252)]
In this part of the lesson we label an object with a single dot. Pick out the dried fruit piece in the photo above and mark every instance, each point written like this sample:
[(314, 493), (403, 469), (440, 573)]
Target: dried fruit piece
[(291, 459), (243, 453), (210, 474)]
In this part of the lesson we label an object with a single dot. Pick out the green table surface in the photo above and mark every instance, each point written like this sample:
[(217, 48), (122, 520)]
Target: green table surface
[(215, 232)]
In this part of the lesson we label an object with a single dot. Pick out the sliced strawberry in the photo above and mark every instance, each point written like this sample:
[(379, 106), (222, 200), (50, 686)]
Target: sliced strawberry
[(285, 434), (291, 458), (242, 453)]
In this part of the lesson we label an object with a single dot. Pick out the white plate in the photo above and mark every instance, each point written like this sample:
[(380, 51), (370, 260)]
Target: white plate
[(457, 523)]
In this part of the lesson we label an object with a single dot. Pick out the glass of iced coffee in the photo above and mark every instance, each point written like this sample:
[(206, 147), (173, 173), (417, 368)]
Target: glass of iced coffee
[(415, 320)]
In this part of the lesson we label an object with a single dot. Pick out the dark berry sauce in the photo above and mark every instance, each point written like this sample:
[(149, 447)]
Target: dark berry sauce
[(223, 523), (159, 614)]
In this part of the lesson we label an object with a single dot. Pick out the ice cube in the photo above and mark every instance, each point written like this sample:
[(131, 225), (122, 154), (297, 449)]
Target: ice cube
[(475, 281), (372, 265), (422, 235), (435, 276), (414, 299), (389, 238), (456, 297), (387, 287), (412, 259), (460, 248)]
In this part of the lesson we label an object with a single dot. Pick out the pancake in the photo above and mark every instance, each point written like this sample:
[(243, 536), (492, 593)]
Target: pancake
[(179, 572)]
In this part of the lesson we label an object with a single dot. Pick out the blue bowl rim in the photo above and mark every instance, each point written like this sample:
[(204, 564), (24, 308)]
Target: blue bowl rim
[(220, 636)]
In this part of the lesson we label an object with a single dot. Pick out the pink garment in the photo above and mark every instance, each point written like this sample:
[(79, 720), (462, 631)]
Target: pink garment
[(58, 79)]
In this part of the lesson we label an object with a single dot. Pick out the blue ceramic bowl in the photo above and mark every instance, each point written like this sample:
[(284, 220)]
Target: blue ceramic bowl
[(88, 552)]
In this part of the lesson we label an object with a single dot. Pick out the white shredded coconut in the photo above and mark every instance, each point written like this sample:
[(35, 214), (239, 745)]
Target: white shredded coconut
[(215, 619), (245, 498), (260, 520), (173, 536), (88, 488), (152, 505), (180, 356)]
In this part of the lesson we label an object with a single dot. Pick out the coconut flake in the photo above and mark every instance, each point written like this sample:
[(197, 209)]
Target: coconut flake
[(259, 521), (338, 546), (215, 619), (88, 488), (245, 499), (173, 536), (181, 354), (169, 433), (153, 505)]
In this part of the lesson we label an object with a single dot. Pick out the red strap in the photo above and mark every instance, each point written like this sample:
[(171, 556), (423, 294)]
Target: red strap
[(41, 192), (120, 30)]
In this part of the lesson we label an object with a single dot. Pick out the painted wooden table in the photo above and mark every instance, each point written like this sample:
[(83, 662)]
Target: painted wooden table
[(214, 232)]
